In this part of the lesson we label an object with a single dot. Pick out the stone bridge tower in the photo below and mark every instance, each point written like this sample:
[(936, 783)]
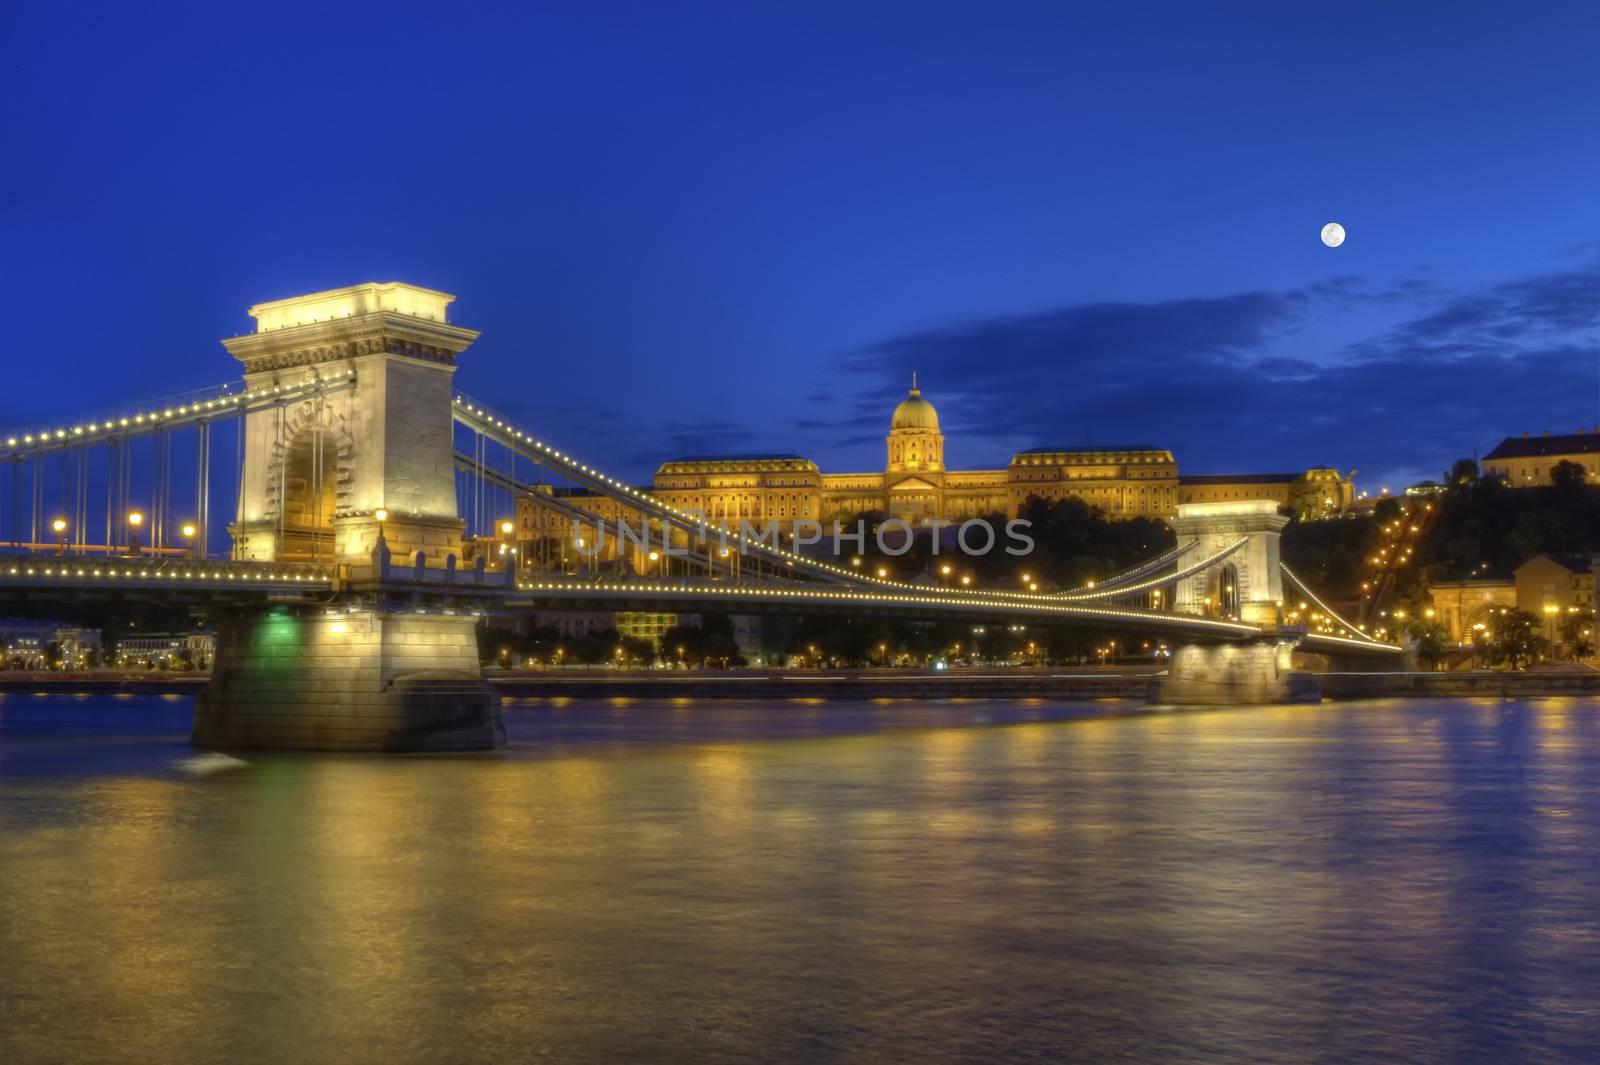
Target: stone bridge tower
[(391, 664), (1247, 585), (318, 472)]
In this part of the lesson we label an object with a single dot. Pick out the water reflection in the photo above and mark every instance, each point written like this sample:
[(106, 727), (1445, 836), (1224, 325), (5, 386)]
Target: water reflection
[(870, 882)]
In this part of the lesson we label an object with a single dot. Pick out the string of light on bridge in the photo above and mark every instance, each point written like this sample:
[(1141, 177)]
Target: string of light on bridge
[(222, 404), (1156, 582), (1300, 584), (232, 571), (1116, 582), (886, 598)]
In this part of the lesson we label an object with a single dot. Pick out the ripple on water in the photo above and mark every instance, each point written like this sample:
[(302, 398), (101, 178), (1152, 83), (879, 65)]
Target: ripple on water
[(1395, 880)]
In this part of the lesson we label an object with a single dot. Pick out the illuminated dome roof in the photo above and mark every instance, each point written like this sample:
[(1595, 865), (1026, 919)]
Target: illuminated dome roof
[(914, 412)]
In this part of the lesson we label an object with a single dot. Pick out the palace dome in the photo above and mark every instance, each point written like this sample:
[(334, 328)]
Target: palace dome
[(914, 412)]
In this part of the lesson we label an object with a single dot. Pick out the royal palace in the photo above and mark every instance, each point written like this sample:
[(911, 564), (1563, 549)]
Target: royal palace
[(914, 485)]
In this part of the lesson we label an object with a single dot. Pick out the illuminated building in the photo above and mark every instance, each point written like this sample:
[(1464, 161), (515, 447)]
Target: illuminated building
[(1318, 492), (1126, 481), (643, 625), (1556, 584), (1463, 608), (1526, 461)]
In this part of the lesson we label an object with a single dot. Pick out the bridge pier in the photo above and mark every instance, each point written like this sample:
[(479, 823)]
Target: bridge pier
[(1259, 672), (347, 680)]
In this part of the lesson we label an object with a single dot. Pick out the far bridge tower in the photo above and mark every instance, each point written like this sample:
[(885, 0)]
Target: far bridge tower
[(1246, 585)]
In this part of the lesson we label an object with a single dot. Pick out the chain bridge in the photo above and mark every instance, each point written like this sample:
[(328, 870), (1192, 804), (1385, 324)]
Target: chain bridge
[(365, 542)]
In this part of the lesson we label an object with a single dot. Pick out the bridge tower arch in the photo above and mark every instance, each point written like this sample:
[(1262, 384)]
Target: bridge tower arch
[(309, 474)]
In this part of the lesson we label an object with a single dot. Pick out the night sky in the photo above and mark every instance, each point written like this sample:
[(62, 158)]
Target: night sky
[(690, 229)]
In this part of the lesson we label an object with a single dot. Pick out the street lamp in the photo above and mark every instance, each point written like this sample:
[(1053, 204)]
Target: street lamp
[(60, 527), (188, 532), (135, 519)]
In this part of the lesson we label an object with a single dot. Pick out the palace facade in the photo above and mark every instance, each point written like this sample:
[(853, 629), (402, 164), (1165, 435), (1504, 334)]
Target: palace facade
[(1124, 482)]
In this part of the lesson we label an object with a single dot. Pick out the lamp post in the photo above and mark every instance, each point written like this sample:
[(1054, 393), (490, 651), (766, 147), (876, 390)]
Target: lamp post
[(380, 516), (60, 527), (188, 532), (135, 520)]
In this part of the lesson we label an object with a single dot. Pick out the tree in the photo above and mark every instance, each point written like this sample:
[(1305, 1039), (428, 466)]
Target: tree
[(1310, 501), (1577, 634), (596, 648), (1568, 476), (1514, 639), (496, 644), (1548, 529), (720, 651), (1464, 472), (684, 643), (635, 651), (1332, 555), (543, 644), (1386, 510), (1433, 642)]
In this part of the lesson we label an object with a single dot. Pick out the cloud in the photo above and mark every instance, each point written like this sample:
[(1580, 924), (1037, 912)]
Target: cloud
[(1535, 310), (1242, 382)]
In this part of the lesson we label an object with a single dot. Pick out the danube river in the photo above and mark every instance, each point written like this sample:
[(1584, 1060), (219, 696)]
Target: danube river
[(809, 881)]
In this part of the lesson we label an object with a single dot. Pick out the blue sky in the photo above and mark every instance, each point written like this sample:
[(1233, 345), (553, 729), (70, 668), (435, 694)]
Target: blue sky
[(698, 228)]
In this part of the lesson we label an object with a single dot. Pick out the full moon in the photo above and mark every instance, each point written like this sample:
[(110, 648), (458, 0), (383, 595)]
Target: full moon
[(1333, 234)]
